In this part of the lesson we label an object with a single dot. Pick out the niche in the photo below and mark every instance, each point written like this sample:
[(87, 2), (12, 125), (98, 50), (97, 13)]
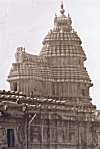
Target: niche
[(84, 92), (15, 86)]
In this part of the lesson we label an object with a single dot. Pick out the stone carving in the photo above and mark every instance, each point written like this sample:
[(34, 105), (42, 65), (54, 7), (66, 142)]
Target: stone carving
[(2, 136), (35, 133), (57, 73), (21, 135)]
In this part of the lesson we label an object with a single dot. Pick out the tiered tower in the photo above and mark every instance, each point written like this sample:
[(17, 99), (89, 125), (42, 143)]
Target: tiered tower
[(65, 57), (59, 69), (58, 75)]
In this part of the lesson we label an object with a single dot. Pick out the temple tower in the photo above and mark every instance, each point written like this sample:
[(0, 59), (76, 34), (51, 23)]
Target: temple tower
[(65, 57), (57, 85), (59, 70)]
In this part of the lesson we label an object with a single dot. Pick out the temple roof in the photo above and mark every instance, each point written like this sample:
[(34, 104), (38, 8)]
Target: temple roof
[(14, 103), (61, 35), (59, 69)]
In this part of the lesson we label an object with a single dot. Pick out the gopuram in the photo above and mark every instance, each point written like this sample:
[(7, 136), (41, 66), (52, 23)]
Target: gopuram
[(49, 104)]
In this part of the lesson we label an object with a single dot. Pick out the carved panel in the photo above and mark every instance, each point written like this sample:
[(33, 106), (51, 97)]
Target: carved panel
[(60, 135), (21, 134), (53, 133), (99, 138), (72, 137), (46, 134), (2, 136), (35, 133), (89, 137)]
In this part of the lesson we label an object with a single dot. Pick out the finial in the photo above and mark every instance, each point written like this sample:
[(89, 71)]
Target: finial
[(61, 5), (68, 14), (62, 9), (55, 15)]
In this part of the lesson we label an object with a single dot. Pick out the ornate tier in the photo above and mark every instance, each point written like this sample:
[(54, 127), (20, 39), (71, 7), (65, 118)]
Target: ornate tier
[(57, 109), (55, 121), (65, 56), (59, 70)]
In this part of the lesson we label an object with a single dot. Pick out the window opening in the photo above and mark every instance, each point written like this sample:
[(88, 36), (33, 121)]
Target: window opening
[(10, 138)]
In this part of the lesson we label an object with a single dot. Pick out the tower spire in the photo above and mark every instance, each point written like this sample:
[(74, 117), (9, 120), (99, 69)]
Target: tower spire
[(61, 4), (62, 9)]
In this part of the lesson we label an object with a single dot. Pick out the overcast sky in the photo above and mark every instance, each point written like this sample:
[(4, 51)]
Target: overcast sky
[(26, 22)]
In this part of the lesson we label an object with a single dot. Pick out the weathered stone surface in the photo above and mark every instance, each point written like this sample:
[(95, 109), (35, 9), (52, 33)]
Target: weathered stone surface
[(54, 110)]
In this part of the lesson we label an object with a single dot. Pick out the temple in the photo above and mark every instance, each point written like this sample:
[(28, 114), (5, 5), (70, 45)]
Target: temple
[(49, 104)]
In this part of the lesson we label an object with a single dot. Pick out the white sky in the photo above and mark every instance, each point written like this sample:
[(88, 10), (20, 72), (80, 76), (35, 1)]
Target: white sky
[(26, 22)]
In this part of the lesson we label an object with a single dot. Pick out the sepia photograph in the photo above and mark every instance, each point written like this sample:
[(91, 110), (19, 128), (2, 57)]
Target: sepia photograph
[(49, 74)]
